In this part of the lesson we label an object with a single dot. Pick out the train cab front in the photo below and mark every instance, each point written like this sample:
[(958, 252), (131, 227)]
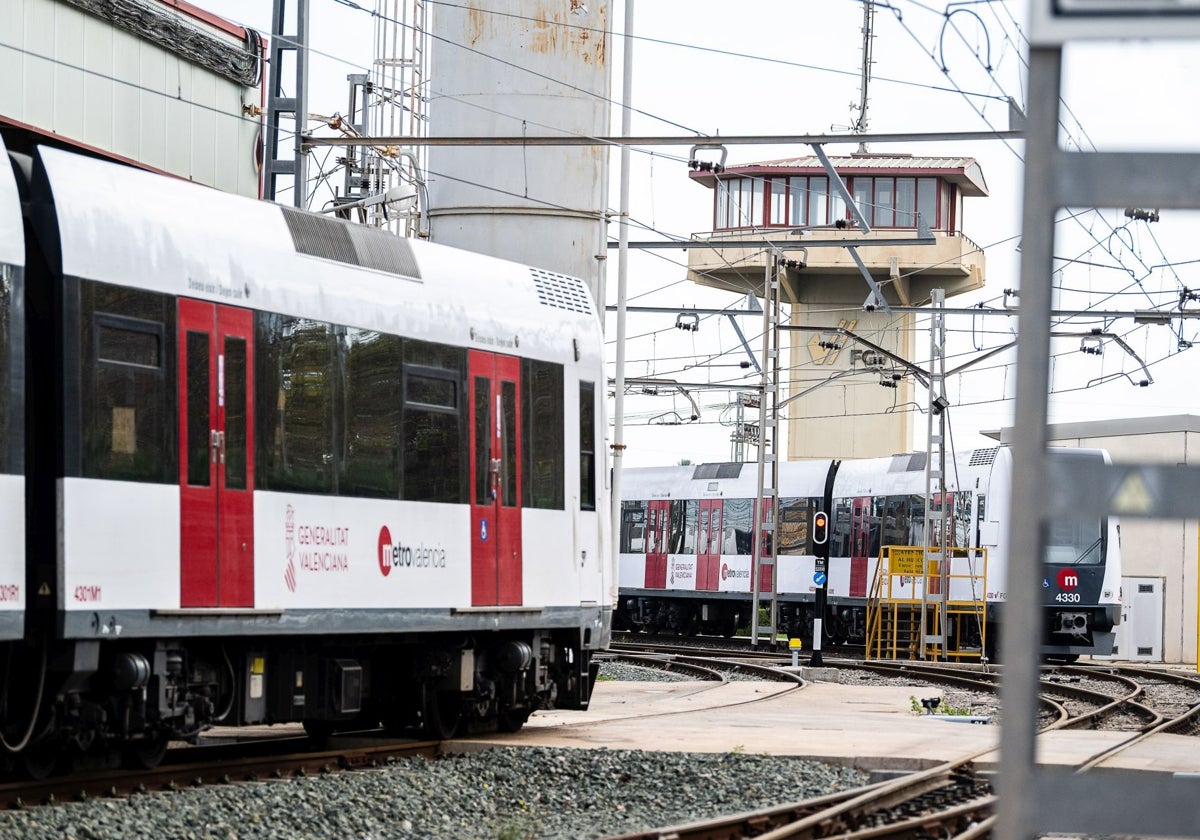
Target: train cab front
[(1081, 611)]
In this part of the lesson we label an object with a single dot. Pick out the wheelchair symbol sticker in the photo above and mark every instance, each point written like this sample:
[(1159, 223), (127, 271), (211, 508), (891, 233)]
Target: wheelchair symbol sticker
[(483, 530)]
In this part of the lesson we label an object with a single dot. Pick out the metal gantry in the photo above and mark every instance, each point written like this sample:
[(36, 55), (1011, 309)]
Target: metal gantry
[(937, 541), (766, 505)]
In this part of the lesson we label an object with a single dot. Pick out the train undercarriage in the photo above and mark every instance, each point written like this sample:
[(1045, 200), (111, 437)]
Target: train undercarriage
[(80, 705), (842, 623)]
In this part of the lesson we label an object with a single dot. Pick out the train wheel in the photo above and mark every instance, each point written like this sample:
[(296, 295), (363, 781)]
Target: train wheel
[(145, 753), (443, 714), (39, 762), (319, 730), (512, 720)]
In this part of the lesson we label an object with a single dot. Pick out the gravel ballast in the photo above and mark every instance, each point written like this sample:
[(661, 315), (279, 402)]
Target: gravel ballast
[(500, 794)]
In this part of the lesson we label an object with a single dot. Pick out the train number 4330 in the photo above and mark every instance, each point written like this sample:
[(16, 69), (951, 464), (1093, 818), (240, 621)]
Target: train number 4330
[(1067, 597)]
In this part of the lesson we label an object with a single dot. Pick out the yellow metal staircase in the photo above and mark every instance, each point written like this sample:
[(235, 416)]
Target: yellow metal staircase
[(902, 625)]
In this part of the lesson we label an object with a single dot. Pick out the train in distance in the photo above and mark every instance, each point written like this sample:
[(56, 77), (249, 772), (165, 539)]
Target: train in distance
[(687, 542)]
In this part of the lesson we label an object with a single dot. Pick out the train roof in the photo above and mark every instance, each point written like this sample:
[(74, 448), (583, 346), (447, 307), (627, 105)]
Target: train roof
[(893, 475), (12, 239), (134, 228)]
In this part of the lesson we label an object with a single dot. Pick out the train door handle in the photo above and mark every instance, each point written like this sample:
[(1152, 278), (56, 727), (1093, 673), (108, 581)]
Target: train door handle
[(495, 470), (218, 446)]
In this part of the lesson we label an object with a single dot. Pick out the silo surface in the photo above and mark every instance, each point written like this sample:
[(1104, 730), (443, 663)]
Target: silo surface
[(510, 68)]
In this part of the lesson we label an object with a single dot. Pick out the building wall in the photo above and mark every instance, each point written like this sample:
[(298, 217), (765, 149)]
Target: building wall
[(75, 75), (851, 416)]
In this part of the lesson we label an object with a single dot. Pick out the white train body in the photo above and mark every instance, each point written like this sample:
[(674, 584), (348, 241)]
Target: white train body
[(288, 468), (668, 512)]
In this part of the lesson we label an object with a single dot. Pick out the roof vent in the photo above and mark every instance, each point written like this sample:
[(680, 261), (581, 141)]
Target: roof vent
[(345, 242), (983, 457), (561, 291)]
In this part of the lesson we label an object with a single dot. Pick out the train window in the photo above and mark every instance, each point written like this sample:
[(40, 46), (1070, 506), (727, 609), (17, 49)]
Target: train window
[(235, 413), (542, 419), (483, 440), (295, 375), (1075, 543), (899, 525), (508, 410), (691, 522), (587, 446), (962, 520), (127, 428), (839, 537), (878, 505), (738, 516), (196, 410), (370, 416), (675, 527), (428, 388), (633, 527), (433, 426), (134, 344)]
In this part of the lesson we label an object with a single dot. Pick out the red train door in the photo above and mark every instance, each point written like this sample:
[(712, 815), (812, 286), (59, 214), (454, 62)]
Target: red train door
[(496, 569), (860, 545), (656, 543), (708, 547), (216, 455)]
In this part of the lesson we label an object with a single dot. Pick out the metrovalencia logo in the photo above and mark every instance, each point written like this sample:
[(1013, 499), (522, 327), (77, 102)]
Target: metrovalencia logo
[(396, 555)]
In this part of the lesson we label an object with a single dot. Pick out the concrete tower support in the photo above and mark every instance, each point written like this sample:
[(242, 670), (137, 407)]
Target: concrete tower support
[(537, 67)]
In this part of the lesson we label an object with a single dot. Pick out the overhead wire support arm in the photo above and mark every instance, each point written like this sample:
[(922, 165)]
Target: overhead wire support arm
[(667, 140)]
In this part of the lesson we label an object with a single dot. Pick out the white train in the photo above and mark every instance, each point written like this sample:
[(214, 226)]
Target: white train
[(270, 466), (687, 540)]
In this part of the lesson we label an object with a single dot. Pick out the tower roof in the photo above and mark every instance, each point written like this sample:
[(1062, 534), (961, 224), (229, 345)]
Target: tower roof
[(963, 171)]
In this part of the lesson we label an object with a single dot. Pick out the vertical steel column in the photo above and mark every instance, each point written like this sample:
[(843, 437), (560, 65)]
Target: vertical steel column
[(618, 444), (768, 463), (278, 105), (936, 540), (1021, 636)]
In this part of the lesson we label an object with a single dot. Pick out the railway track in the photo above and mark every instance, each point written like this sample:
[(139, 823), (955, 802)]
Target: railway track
[(952, 801), (225, 764)]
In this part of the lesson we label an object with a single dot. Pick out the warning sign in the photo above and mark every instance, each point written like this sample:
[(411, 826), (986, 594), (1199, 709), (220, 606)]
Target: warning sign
[(905, 561)]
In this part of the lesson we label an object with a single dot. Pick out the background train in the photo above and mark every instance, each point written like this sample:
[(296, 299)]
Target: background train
[(686, 543), (262, 465)]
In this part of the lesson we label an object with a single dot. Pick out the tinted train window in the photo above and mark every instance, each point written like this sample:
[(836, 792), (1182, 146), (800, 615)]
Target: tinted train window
[(681, 536), (633, 527), (738, 515), (370, 450), (127, 415), (542, 421), (433, 424), (295, 379), (587, 446), (793, 525)]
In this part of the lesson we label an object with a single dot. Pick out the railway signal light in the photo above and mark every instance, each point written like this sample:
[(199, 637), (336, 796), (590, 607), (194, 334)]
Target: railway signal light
[(821, 527)]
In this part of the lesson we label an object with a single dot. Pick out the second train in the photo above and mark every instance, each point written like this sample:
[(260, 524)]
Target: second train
[(687, 546)]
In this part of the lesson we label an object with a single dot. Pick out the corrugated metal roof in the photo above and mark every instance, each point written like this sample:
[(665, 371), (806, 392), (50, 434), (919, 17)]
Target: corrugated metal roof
[(963, 171)]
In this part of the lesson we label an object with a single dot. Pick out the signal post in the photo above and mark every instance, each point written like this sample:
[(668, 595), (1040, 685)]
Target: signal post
[(820, 577)]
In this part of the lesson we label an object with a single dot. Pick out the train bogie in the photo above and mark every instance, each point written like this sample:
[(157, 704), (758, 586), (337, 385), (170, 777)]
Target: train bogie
[(288, 469)]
